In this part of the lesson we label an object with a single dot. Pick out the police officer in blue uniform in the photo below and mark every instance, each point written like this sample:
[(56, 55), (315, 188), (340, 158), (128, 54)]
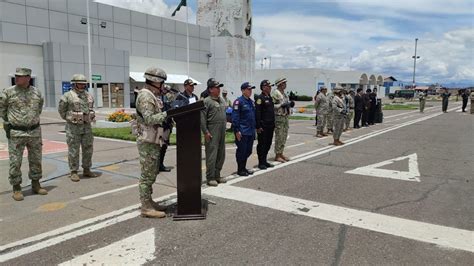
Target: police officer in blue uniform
[(243, 123), (265, 123)]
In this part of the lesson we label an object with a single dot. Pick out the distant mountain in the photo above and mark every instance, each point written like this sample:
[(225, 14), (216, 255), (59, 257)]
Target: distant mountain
[(459, 84)]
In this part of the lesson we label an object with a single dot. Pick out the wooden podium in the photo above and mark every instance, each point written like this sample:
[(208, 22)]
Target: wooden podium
[(189, 174)]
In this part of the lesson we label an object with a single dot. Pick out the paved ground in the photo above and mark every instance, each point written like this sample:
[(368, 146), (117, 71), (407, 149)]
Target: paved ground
[(400, 192)]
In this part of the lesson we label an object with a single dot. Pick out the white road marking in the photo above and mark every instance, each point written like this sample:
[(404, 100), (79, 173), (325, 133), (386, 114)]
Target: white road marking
[(295, 145), (315, 153), (404, 113), (135, 250), (412, 174), (107, 192), (420, 231), (87, 226)]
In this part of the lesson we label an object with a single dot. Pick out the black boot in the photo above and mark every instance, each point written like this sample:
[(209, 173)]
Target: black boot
[(163, 168), (261, 163), (247, 170), (241, 171)]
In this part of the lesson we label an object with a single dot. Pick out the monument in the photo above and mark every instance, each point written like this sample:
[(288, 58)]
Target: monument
[(232, 47)]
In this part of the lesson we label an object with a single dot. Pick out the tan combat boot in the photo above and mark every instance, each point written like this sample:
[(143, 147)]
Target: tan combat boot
[(278, 158), (37, 189), (17, 195), (285, 158), (74, 176), (148, 211), (88, 173)]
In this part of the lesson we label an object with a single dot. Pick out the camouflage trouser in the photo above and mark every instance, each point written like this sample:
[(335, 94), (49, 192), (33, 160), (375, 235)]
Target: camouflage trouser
[(329, 121), (338, 125), (322, 120), (76, 142), (215, 151), (422, 105), (472, 105), (281, 132), (348, 118), (149, 157), (16, 146)]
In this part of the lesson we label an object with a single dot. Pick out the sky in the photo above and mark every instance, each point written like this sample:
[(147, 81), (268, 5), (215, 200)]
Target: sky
[(372, 36)]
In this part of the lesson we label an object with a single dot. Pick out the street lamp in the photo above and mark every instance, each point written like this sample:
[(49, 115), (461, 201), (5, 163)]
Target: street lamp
[(414, 63)]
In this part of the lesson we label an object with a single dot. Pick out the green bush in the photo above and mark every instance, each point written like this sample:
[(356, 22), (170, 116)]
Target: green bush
[(304, 98)]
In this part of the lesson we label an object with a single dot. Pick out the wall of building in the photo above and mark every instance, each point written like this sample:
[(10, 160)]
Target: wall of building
[(20, 55), (35, 22)]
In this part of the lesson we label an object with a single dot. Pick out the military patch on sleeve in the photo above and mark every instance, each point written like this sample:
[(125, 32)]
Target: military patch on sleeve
[(259, 101), (236, 105)]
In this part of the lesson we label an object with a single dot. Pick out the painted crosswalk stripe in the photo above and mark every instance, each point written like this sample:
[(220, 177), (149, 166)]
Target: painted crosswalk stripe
[(135, 250), (425, 232)]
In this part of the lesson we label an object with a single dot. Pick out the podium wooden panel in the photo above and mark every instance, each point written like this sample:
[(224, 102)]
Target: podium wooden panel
[(189, 174)]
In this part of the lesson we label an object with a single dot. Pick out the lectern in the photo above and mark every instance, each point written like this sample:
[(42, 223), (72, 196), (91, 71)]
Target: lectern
[(189, 174)]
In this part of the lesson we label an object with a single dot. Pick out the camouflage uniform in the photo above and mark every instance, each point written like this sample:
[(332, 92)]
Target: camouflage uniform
[(422, 98), (213, 120), (149, 110), (472, 102), (76, 107), (349, 100), (20, 109), (339, 111), (282, 111), (330, 117), (322, 110)]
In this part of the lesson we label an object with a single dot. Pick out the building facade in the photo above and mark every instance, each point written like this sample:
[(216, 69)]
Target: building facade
[(50, 37)]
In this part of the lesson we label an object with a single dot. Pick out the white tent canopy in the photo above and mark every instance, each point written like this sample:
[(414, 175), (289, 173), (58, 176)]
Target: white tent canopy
[(171, 78)]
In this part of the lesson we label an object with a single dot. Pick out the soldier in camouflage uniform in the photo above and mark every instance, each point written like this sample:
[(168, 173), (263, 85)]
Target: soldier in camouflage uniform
[(76, 107), (330, 117), (422, 97), (321, 105), (227, 101), (213, 126), (149, 139), (339, 110), (20, 109), (349, 101), (283, 107)]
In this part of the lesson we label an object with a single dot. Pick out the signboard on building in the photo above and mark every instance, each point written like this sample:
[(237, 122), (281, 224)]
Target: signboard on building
[(96, 77), (66, 86)]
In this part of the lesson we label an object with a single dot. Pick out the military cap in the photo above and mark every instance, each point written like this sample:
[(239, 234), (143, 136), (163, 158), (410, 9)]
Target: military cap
[(224, 91), (338, 88), (189, 82), (246, 85), (213, 83), (265, 82), (278, 81), (155, 74), (22, 71), (78, 79), (323, 88)]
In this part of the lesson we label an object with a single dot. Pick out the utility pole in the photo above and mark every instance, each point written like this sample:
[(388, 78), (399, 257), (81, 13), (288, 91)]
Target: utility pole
[(414, 64)]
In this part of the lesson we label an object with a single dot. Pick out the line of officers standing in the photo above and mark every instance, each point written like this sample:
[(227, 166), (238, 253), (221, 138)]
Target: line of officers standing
[(335, 110)]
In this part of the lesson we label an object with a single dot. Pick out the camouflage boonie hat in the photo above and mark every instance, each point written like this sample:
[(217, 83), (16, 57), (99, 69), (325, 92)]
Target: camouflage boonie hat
[(338, 88), (155, 74), (78, 79), (22, 71), (278, 81)]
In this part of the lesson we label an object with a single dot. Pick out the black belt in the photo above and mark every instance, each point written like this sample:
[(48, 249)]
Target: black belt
[(22, 128)]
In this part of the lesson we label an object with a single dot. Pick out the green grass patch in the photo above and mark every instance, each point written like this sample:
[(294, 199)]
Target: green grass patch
[(125, 133), (400, 107), (309, 106), (299, 117)]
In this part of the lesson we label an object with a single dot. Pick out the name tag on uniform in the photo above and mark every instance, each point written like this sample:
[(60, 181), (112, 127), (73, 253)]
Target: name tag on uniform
[(192, 100)]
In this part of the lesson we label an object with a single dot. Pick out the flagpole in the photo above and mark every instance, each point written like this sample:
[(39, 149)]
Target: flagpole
[(187, 39)]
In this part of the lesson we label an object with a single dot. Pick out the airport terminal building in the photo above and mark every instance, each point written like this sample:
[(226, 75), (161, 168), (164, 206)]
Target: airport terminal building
[(50, 37)]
